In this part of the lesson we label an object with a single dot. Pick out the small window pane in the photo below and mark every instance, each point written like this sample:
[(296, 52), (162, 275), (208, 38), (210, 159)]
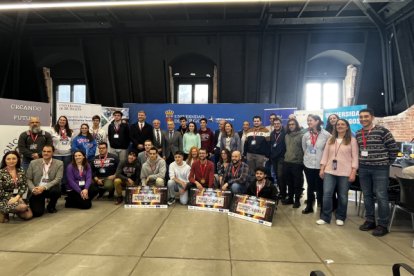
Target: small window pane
[(185, 94), (330, 95), (201, 93), (63, 93), (79, 93), (313, 96)]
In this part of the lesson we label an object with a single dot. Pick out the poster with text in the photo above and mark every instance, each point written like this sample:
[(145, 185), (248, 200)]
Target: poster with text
[(214, 200), (349, 113), (78, 114), (254, 209), (302, 116)]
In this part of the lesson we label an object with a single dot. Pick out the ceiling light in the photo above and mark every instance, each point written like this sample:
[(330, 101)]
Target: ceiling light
[(93, 4)]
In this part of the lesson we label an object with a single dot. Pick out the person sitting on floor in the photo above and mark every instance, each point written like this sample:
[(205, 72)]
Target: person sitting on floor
[(43, 178), (80, 188), (261, 186)]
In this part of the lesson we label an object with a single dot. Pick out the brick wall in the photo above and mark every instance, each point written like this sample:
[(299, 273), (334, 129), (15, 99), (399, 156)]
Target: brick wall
[(401, 125)]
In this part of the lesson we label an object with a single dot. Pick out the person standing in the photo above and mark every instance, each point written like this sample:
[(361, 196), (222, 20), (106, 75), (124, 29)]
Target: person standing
[(272, 118), (44, 178), (174, 142), (313, 144), (13, 186), (118, 136), (183, 126), (293, 164), (159, 138), (32, 141), (339, 165), (331, 121), (140, 132), (207, 137), (98, 133), (277, 153), (191, 138), (377, 151), (243, 133), (256, 147), (230, 140), (62, 141), (85, 142)]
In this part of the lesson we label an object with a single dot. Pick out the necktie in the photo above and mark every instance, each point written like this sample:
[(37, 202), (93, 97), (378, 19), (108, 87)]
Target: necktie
[(171, 135), (140, 126), (158, 137)]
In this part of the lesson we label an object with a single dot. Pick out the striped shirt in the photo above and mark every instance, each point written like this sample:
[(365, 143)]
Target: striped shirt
[(380, 145)]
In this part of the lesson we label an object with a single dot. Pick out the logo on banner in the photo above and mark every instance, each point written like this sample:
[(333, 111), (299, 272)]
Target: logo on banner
[(169, 115)]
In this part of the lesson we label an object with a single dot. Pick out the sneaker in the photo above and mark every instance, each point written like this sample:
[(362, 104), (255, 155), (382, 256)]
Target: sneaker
[(368, 225), (171, 201), (380, 231), (321, 222), (339, 222), (119, 200)]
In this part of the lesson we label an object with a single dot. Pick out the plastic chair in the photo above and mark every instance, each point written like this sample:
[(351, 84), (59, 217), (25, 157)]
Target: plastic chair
[(406, 202)]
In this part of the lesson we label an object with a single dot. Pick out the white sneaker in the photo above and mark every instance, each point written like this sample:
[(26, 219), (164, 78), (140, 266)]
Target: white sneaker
[(339, 222), (321, 222)]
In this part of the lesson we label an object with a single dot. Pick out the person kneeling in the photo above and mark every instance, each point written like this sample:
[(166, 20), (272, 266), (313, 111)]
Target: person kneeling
[(81, 191), (104, 167), (43, 178), (262, 187), (127, 174), (235, 177), (153, 170), (179, 171)]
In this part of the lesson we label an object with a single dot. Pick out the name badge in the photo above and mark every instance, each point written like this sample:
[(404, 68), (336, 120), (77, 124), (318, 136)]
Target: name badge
[(334, 164), (364, 153), (15, 191), (33, 146), (253, 142), (275, 145), (81, 182), (116, 136), (64, 142), (44, 182), (102, 170), (312, 151)]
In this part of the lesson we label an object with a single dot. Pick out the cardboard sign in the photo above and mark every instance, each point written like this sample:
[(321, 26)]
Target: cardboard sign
[(146, 197), (254, 209), (209, 200)]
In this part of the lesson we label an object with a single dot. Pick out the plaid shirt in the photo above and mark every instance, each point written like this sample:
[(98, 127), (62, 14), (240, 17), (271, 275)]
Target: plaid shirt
[(240, 174)]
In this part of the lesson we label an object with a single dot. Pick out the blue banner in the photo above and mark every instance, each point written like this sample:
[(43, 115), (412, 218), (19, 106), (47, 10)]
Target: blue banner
[(236, 114), (349, 113)]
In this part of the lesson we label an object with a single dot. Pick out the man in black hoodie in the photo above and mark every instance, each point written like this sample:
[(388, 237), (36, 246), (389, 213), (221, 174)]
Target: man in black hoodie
[(261, 186), (118, 136)]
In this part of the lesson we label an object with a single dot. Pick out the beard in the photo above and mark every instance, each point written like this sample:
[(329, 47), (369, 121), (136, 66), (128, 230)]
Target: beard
[(35, 129)]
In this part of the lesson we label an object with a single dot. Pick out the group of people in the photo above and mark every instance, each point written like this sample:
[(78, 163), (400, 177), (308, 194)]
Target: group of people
[(257, 160)]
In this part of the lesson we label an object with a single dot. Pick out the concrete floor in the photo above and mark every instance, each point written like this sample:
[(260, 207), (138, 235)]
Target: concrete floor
[(111, 240)]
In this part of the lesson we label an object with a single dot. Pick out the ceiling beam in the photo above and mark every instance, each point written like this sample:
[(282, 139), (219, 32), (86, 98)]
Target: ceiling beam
[(343, 8), (303, 9)]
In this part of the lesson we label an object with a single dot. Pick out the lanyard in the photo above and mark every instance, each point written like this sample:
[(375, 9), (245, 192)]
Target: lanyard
[(313, 138), (63, 133), (116, 127), (234, 172), (277, 136), (46, 168), (337, 150), (80, 169), (103, 160), (34, 138), (254, 134), (364, 139), (203, 170)]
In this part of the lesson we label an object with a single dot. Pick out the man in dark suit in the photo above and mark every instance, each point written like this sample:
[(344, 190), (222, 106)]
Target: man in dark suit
[(140, 132), (43, 178), (243, 133), (159, 138), (174, 142)]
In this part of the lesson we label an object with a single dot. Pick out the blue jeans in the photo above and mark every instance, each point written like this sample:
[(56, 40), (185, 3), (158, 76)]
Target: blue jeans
[(237, 188), (375, 182), (330, 182)]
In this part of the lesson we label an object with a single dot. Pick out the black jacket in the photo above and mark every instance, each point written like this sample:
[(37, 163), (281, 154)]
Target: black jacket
[(139, 136), (122, 142), (269, 190), (280, 149)]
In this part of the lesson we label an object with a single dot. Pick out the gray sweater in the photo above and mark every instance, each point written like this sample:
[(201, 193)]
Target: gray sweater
[(153, 169)]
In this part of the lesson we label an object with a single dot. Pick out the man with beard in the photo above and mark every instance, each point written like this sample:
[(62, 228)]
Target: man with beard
[(256, 147), (236, 175), (202, 172), (32, 141), (262, 187), (154, 169)]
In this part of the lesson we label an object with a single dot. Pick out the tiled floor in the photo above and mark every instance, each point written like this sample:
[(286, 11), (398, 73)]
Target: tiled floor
[(111, 240)]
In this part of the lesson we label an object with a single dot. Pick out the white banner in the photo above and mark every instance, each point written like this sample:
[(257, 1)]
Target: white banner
[(78, 114)]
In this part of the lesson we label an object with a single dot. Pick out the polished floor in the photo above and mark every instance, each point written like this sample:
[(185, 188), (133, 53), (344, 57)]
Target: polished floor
[(111, 240)]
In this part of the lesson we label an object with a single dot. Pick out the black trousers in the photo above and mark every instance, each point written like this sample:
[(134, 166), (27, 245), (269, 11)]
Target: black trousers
[(293, 176), (315, 184), (278, 170), (37, 202), (74, 200)]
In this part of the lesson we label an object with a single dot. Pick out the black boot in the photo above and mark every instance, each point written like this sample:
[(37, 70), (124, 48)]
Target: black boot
[(297, 202), (287, 201)]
